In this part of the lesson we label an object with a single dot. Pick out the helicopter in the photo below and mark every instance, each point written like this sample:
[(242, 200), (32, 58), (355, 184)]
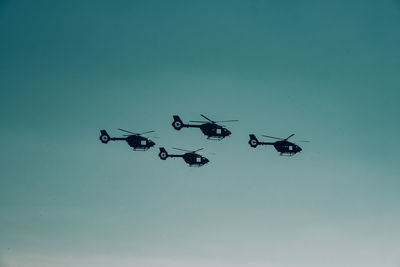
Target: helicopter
[(190, 157), (283, 146), (209, 128), (134, 140)]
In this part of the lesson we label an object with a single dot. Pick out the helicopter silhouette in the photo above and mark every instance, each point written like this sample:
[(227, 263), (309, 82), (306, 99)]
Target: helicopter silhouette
[(283, 146), (134, 140), (209, 128), (190, 157)]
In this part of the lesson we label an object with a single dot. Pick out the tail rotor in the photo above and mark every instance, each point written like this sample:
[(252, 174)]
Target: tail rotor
[(163, 153), (177, 123), (104, 137), (253, 142)]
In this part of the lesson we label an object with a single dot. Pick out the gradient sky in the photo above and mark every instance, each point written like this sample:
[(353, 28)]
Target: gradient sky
[(327, 71)]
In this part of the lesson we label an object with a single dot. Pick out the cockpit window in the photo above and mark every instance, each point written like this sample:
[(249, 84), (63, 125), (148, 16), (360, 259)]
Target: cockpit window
[(143, 142), (290, 148), (218, 131), (198, 159)]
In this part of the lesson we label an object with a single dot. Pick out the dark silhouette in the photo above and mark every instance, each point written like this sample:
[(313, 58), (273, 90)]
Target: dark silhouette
[(190, 157), (134, 140), (209, 128), (283, 146)]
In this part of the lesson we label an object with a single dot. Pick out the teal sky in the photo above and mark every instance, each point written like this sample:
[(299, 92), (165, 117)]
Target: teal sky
[(327, 71)]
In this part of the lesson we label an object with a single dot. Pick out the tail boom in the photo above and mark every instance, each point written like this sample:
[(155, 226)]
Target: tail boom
[(164, 154), (253, 142), (178, 124)]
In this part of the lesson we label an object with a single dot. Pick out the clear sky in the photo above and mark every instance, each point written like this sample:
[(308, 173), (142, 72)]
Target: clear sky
[(327, 71)]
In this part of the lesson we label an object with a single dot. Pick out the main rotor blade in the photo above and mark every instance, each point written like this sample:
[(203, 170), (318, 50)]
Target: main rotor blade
[(304, 141), (227, 121), (289, 136), (207, 118), (199, 121), (146, 132), (181, 149), (198, 150), (126, 131), (272, 137)]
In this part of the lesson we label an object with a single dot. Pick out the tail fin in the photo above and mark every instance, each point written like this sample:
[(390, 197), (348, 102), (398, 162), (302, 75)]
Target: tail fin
[(163, 153), (104, 137), (253, 142), (177, 123)]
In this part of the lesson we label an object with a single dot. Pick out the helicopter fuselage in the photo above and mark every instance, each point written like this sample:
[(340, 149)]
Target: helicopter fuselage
[(194, 159), (286, 147), (138, 142), (212, 130)]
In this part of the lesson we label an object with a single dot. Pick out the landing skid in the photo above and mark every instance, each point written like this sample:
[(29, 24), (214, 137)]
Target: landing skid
[(196, 165), (287, 154), (141, 148), (218, 138)]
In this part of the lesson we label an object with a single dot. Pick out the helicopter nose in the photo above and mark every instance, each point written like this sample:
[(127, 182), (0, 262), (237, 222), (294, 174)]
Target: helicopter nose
[(152, 143), (206, 161), (228, 132)]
